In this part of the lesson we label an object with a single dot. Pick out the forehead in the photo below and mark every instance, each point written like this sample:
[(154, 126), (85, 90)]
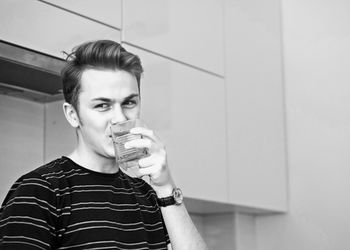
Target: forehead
[(107, 83)]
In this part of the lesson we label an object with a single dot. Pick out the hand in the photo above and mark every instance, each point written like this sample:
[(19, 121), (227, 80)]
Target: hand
[(155, 165)]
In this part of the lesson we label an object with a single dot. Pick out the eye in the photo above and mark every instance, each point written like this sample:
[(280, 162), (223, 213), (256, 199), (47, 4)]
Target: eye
[(129, 104), (102, 106)]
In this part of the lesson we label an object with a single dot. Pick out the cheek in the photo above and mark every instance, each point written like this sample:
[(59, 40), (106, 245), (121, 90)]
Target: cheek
[(133, 113), (95, 126)]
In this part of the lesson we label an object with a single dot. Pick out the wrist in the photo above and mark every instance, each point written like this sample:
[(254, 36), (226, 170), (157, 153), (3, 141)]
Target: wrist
[(176, 198), (165, 190)]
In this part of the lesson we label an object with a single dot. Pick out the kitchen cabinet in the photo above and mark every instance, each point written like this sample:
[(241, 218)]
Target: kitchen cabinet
[(60, 138), (224, 130), (255, 105), (45, 28), (21, 139), (187, 108), (104, 11), (186, 31)]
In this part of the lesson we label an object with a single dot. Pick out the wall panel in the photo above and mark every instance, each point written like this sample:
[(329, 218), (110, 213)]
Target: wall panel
[(21, 139), (188, 31), (255, 104), (48, 29), (105, 11), (60, 137), (187, 108)]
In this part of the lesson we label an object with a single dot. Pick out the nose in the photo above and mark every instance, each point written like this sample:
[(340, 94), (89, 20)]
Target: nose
[(118, 115)]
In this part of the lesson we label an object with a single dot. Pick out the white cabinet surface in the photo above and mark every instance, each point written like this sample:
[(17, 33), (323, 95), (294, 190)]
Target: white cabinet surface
[(188, 31), (21, 139), (60, 137), (187, 108), (45, 28), (225, 136), (105, 11), (255, 104)]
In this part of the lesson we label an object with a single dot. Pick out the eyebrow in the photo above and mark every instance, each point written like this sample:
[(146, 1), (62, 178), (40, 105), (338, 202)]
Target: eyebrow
[(131, 96), (104, 99)]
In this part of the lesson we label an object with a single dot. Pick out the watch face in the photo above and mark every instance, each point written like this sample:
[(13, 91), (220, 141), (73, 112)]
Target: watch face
[(178, 196)]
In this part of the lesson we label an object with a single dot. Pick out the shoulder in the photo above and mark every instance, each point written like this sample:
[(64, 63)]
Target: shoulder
[(53, 171), (51, 168), (31, 210), (38, 182)]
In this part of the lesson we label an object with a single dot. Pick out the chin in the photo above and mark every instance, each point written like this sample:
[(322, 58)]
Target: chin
[(110, 154), (109, 157)]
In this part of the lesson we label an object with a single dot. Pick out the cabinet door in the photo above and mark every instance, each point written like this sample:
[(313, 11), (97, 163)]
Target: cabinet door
[(60, 137), (255, 105), (21, 139), (105, 11), (186, 107), (190, 31), (45, 28)]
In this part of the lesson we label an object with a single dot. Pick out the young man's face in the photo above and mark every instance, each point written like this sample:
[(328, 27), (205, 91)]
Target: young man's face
[(106, 95)]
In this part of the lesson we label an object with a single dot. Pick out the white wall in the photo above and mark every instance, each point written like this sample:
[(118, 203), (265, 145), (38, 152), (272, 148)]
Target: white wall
[(254, 104), (317, 76), (21, 139)]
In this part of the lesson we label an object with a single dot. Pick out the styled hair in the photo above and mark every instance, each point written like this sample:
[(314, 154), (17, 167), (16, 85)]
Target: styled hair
[(100, 54)]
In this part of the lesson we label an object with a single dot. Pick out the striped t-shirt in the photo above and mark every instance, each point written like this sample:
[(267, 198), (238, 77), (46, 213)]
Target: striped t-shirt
[(62, 205)]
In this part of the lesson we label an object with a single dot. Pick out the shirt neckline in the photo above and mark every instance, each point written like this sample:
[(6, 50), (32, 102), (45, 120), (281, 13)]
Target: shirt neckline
[(109, 175)]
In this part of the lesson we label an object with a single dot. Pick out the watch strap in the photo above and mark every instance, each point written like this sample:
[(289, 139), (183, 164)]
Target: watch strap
[(166, 201), (175, 198)]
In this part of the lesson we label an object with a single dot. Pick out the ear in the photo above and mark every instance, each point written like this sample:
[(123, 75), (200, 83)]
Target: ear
[(71, 115)]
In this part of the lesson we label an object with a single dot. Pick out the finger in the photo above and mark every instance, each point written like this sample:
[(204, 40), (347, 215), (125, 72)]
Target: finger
[(138, 143), (143, 131), (153, 171), (148, 161)]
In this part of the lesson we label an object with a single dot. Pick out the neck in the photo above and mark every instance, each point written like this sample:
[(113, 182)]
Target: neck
[(94, 162)]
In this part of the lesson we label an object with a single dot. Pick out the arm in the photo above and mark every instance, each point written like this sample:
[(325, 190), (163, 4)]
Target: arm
[(182, 232)]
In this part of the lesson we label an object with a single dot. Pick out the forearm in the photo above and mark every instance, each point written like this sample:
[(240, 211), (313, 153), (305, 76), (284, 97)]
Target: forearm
[(182, 232)]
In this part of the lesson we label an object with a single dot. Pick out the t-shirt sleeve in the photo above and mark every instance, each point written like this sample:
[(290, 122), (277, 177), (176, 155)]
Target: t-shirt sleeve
[(28, 215)]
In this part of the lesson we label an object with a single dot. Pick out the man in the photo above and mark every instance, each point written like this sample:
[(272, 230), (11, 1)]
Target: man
[(83, 200)]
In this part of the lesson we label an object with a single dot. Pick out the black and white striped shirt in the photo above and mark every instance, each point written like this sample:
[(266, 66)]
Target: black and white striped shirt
[(62, 205)]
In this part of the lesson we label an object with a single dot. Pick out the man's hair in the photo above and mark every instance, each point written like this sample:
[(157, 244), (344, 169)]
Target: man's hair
[(101, 54)]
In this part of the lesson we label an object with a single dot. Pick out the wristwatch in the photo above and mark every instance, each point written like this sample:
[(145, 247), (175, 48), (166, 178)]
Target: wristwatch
[(176, 198)]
